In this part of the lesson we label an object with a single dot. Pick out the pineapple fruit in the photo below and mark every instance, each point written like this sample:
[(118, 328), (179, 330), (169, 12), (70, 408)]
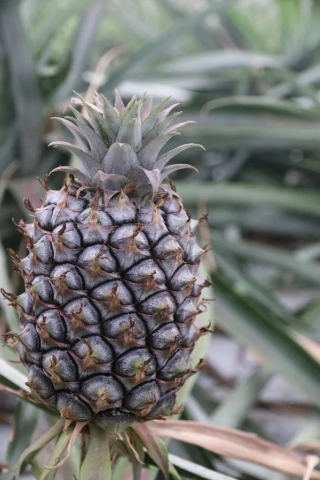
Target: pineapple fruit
[(111, 292)]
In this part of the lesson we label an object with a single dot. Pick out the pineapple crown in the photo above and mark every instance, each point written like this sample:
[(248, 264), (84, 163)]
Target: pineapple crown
[(120, 146)]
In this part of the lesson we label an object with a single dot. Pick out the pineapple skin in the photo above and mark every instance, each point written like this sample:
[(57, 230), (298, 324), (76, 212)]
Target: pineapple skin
[(111, 296)]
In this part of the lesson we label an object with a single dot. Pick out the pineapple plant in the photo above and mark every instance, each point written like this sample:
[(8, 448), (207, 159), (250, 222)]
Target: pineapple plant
[(111, 290)]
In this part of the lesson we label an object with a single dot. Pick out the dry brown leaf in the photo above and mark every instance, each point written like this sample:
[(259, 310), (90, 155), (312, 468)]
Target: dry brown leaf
[(307, 446), (233, 443), (100, 69), (312, 462), (313, 348)]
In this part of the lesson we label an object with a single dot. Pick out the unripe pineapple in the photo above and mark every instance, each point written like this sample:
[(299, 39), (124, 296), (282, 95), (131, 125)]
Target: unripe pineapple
[(111, 292)]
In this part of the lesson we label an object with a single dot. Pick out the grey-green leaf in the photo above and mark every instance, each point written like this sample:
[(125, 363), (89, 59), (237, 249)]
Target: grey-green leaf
[(120, 159)]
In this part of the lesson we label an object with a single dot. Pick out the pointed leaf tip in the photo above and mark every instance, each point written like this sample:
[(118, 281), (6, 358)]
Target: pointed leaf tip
[(173, 168), (166, 157), (118, 102)]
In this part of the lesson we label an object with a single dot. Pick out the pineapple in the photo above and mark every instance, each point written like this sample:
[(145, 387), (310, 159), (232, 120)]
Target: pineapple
[(111, 292)]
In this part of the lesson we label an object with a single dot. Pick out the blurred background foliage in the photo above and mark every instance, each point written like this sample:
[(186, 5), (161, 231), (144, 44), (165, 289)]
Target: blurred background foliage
[(248, 73)]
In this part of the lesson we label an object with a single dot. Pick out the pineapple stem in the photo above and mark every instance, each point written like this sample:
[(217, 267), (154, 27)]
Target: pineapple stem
[(97, 460)]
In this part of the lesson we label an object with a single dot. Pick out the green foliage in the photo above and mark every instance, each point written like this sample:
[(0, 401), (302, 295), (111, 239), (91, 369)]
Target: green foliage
[(248, 73)]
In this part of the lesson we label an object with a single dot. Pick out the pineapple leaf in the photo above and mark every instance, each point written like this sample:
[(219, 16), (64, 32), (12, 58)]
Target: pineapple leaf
[(164, 113), (148, 154), (155, 447), (90, 164), (100, 124), (40, 443), (73, 171), (25, 93), (133, 112), (173, 168), (98, 148), (110, 181), (143, 179), (159, 129), (146, 108), (120, 159), (118, 103), (10, 315), (131, 133), (59, 449), (129, 107), (78, 115), (275, 342), (231, 443), (110, 115), (197, 471), (151, 119), (166, 157), (76, 132), (178, 125), (25, 421)]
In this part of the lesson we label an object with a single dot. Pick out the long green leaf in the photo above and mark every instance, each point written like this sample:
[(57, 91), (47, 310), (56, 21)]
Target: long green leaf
[(25, 422), (272, 341), (273, 221), (9, 312), (233, 410), (252, 288), (263, 105), (211, 62), (55, 458), (38, 445), (276, 256), (149, 52), (227, 131), (253, 195), (86, 34), (25, 89)]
